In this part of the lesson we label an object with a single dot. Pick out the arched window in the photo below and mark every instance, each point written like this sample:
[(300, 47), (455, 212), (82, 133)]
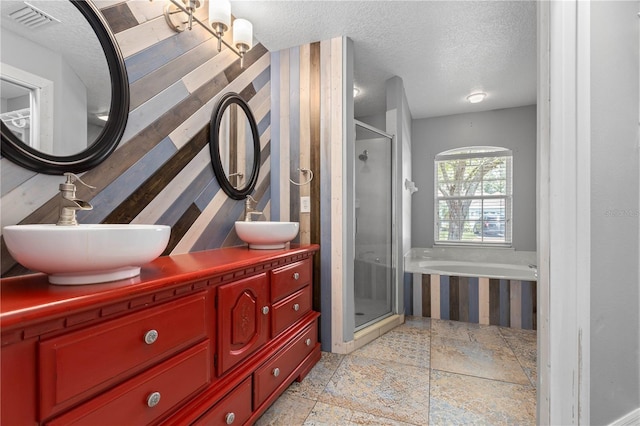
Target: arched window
[(473, 196)]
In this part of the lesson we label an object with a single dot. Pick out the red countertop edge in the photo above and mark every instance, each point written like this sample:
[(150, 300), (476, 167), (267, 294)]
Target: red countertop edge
[(30, 298)]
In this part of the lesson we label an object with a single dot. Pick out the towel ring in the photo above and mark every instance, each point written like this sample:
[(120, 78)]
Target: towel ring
[(304, 172)]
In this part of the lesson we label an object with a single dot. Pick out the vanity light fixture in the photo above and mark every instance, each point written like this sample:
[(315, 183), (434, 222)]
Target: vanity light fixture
[(219, 23), (474, 98)]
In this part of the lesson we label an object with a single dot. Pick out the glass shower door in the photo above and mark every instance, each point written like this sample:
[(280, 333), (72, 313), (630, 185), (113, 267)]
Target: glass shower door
[(373, 263)]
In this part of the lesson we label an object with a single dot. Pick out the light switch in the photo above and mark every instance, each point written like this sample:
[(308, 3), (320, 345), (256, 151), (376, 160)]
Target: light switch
[(305, 204)]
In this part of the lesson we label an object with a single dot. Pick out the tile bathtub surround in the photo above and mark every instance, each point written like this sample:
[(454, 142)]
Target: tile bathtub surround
[(425, 371), (506, 303)]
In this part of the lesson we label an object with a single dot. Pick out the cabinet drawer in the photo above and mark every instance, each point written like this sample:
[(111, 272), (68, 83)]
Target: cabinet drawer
[(233, 409), (288, 279), (288, 311), (78, 365), (276, 371), (147, 397)]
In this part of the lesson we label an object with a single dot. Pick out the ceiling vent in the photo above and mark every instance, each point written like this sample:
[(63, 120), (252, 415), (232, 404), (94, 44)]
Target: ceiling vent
[(32, 17)]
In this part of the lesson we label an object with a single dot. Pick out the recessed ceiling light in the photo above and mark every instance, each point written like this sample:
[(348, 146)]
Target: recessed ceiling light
[(474, 98), (356, 91)]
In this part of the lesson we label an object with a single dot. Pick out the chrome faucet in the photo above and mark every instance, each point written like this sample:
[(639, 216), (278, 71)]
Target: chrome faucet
[(69, 204), (248, 210)]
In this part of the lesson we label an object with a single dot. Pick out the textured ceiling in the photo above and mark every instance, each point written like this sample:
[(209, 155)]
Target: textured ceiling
[(443, 50)]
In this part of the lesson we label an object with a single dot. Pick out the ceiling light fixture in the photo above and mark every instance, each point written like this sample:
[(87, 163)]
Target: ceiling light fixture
[(356, 92), (474, 98), (219, 21)]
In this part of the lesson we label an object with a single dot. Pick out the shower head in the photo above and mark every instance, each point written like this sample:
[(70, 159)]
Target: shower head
[(364, 156)]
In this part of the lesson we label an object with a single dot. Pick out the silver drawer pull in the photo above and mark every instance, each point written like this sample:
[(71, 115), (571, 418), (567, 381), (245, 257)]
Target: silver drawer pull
[(265, 310), (153, 399), (296, 276), (230, 418), (296, 307), (150, 337), (308, 342), (276, 372)]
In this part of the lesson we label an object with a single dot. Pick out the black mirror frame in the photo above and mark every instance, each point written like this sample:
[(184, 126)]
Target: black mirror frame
[(214, 147), (20, 153)]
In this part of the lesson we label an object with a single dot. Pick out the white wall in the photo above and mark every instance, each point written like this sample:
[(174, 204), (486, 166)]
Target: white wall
[(406, 174), (379, 121), (615, 323), (71, 113), (70, 97), (399, 124), (513, 128)]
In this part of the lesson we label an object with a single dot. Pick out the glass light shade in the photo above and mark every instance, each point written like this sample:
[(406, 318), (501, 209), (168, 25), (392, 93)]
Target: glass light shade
[(242, 33), (220, 12), (474, 98)]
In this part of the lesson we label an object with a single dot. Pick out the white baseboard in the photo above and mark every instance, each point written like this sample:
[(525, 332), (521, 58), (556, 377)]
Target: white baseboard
[(631, 419)]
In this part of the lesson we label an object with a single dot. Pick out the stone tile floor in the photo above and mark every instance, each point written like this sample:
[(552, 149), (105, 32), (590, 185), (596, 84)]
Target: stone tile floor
[(423, 372)]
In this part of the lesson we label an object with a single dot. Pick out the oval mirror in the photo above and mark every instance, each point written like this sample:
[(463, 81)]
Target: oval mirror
[(64, 86), (235, 146)]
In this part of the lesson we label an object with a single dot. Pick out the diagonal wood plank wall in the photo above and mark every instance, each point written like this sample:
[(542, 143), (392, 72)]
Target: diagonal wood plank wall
[(161, 172)]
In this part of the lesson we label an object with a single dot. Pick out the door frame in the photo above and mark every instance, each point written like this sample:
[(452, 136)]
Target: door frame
[(396, 306), (563, 218)]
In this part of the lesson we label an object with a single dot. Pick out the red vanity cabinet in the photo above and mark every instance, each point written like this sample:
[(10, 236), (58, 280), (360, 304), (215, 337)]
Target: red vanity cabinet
[(194, 340)]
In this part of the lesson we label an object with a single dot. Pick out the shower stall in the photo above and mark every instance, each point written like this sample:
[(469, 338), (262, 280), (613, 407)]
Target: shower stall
[(374, 218)]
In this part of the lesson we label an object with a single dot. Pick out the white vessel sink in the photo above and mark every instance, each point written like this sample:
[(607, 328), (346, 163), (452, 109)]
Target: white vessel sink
[(267, 235), (86, 254)]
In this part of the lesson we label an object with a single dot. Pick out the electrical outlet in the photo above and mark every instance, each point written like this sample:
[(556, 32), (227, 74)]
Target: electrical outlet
[(305, 204)]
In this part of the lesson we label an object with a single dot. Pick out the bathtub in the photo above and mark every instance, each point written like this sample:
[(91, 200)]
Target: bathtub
[(501, 271), (503, 264), (490, 286)]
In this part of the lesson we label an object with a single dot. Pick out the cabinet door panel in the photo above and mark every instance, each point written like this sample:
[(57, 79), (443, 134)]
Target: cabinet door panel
[(243, 315), (18, 387)]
